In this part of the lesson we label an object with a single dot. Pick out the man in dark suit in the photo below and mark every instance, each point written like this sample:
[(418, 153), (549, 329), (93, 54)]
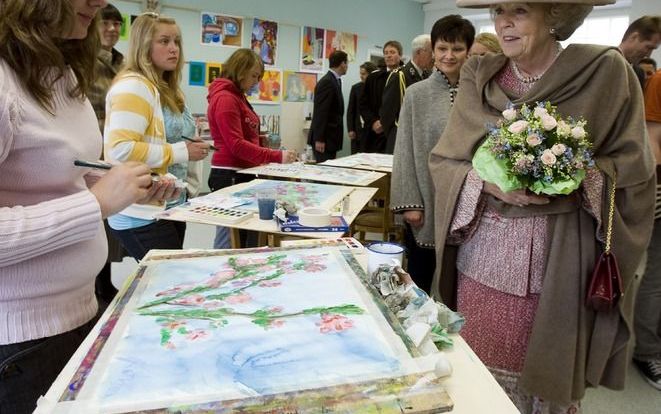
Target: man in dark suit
[(355, 128), (370, 100), (327, 129), (418, 68)]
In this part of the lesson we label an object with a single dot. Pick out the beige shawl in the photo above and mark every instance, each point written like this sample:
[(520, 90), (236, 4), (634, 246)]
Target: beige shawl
[(570, 346)]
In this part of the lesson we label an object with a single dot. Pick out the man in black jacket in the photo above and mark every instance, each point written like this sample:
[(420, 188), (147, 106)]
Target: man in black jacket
[(418, 68), (370, 101), (327, 129)]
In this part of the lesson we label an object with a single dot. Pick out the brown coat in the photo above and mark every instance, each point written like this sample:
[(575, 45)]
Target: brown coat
[(570, 346)]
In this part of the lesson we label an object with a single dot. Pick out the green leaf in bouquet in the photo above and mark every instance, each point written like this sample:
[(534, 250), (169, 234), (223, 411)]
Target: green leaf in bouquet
[(494, 170), (562, 187)]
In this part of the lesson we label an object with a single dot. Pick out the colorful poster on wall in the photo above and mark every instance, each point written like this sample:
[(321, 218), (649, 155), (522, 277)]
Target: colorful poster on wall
[(312, 49), (197, 73), (220, 30), (213, 72), (269, 89), (126, 27), (346, 42), (299, 86), (264, 40)]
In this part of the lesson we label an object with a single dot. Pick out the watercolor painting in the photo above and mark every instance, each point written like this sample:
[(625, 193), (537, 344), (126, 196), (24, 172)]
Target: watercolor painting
[(363, 158), (299, 86), (264, 40), (346, 42), (220, 30), (346, 176), (246, 324), (312, 50), (197, 73), (269, 88), (297, 193)]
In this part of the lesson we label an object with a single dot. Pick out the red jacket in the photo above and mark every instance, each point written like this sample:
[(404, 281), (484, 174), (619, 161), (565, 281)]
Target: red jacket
[(234, 128)]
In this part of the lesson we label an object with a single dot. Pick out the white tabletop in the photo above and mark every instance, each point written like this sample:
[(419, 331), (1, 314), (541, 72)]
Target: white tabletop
[(320, 173)]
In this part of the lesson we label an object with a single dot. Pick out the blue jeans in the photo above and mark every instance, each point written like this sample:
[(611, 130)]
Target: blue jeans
[(218, 179), (162, 234), (27, 369)]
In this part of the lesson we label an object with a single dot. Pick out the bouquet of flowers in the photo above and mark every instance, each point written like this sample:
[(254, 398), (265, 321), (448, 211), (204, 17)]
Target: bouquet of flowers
[(537, 149)]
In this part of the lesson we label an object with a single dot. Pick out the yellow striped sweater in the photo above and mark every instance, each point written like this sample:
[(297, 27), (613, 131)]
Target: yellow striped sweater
[(134, 128)]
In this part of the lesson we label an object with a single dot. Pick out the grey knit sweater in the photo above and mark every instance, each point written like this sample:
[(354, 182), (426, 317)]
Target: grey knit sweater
[(422, 119)]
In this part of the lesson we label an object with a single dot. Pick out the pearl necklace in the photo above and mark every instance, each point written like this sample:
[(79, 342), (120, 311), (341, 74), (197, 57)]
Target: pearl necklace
[(533, 79)]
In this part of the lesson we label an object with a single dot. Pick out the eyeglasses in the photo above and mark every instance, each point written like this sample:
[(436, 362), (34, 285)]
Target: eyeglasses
[(112, 23)]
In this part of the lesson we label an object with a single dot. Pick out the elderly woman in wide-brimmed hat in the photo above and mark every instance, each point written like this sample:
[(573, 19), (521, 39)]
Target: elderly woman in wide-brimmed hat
[(524, 260)]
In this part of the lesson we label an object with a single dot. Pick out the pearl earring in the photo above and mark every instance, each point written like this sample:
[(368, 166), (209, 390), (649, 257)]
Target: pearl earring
[(552, 31)]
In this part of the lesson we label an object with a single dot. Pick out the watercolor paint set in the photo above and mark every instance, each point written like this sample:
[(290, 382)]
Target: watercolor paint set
[(226, 215)]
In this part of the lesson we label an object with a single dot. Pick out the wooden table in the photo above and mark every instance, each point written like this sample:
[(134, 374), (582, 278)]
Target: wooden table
[(271, 235)]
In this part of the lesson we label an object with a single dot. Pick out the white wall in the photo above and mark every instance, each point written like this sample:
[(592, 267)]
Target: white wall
[(436, 9)]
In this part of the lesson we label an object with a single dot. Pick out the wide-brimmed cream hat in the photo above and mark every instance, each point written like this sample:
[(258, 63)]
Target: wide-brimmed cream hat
[(478, 4)]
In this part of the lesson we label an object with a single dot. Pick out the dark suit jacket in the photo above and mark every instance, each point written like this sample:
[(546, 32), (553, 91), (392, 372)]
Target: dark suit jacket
[(354, 122), (327, 125), (369, 105), (391, 101)]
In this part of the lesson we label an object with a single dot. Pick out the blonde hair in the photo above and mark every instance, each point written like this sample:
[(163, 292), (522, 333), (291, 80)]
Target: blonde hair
[(139, 60), (239, 65), (31, 43), (490, 41)]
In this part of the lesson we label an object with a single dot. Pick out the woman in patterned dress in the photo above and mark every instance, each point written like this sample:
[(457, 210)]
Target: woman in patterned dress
[(524, 260)]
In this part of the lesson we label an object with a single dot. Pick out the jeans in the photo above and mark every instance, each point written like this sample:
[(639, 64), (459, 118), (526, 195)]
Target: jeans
[(221, 178), (162, 234), (647, 316), (27, 369)]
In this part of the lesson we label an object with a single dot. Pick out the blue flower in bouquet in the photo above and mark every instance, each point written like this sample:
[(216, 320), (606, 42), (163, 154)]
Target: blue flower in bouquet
[(535, 148)]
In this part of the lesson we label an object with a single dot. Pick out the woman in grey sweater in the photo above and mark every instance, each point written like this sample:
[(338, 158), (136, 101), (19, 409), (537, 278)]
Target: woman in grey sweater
[(422, 119)]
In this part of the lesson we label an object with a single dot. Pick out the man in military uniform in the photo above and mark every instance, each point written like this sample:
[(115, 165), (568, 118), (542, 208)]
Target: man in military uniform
[(370, 100), (418, 68)]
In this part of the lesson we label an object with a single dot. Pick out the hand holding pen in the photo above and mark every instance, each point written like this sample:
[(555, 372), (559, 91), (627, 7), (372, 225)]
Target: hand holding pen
[(197, 149)]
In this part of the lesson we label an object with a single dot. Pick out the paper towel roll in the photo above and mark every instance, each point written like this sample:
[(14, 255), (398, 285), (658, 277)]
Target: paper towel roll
[(314, 217)]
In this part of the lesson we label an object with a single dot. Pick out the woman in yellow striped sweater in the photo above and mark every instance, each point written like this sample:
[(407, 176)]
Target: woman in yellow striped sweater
[(135, 129)]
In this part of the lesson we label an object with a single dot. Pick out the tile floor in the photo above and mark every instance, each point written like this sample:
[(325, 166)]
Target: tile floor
[(638, 397)]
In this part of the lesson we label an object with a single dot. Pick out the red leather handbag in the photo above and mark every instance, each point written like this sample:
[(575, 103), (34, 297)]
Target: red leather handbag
[(606, 283)]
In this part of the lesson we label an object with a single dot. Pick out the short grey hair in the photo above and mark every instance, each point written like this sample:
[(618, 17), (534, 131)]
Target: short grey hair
[(564, 18), (420, 42)]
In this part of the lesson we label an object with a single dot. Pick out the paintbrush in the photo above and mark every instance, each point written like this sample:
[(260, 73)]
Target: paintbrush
[(195, 140), (104, 166)]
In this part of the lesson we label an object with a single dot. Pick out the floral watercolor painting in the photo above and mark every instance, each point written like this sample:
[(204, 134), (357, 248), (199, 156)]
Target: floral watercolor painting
[(297, 193), (243, 325)]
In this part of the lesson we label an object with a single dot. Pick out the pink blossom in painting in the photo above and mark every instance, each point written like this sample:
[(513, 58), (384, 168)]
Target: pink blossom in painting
[(314, 267), (191, 300), (331, 323), (171, 291), (197, 334), (240, 298), (275, 323), (220, 277), (213, 304), (276, 309)]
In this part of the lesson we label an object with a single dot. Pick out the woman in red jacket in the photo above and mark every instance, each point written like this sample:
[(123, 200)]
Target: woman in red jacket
[(234, 127)]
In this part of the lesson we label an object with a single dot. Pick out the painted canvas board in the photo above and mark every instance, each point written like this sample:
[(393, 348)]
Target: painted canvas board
[(363, 158), (212, 72), (299, 86), (312, 49), (346, 42), (241, 324), (269, 88), (345, 176), (297, 193), (197, 73), (220, 30), (264, 40)]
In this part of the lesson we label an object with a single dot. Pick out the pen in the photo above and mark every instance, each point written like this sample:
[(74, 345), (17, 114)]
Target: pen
[(194, 140)]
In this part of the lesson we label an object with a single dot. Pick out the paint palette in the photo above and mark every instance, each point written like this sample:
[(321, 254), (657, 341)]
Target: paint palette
[(226, 215)]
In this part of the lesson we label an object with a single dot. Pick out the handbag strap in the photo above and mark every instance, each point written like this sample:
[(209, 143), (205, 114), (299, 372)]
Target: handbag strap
[(611, 212)]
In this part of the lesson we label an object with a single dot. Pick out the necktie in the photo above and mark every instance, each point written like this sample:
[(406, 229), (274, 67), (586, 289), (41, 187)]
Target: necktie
[(339, 83)]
